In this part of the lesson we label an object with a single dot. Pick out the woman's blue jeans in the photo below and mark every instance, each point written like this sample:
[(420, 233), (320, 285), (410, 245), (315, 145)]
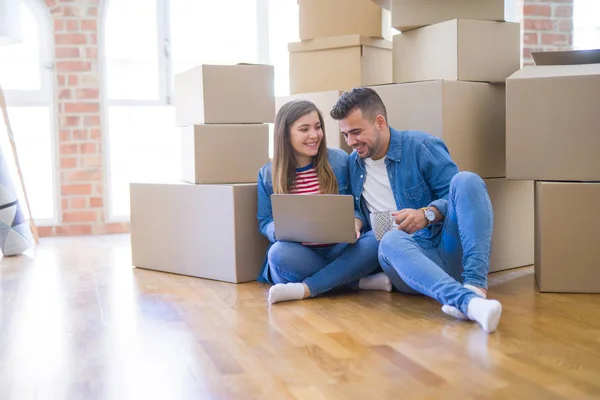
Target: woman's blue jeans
[(324, 268)]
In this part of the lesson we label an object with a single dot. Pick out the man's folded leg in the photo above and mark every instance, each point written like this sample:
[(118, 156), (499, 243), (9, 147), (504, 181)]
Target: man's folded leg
[(410, 270), (414, 272), (467, 234)]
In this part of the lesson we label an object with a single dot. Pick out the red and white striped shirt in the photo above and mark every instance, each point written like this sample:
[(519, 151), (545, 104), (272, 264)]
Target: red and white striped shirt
[(307, 181)]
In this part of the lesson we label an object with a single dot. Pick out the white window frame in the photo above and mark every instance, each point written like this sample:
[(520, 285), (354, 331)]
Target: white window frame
[(164, 76), (45, 96)]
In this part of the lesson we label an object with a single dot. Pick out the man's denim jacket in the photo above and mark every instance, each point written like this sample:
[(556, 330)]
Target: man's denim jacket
[(419, 168)]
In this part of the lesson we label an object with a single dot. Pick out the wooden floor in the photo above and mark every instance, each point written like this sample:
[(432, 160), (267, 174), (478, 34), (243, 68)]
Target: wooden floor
[(77, 322)]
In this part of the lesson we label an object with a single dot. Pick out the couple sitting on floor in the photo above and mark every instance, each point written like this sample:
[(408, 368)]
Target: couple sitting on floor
[(441, 246)]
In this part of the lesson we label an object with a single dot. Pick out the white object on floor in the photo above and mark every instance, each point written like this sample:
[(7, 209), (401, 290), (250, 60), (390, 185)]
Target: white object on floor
[(455, 312), (286, 292), (378, 281), (486, 312)]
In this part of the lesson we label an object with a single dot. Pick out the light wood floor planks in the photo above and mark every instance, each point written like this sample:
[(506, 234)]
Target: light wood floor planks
[(77, 322)]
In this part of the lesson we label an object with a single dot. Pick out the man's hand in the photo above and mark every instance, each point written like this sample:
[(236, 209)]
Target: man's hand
[(409, 220), (357, 227)]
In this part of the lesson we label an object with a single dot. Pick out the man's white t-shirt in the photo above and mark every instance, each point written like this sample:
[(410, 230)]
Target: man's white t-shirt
[(377, 190)]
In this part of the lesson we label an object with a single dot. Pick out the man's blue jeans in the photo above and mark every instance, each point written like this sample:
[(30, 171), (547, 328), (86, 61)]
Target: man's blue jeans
[(460, 253), (324, 268)]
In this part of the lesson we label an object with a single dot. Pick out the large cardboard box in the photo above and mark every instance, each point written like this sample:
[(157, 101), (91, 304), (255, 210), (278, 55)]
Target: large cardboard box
[(468, 116), (460, 49), (324, 18), (324, 102), (386, 4), (567, 253), (224, 153), (553, 118), (411, 14), (225, 94), (205, 231), (513, 235), (339, 63)]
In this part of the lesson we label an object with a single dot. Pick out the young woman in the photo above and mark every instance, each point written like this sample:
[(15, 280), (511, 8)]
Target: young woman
[(302, 164)]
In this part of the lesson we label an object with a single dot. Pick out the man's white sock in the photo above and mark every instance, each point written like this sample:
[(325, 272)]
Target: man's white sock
[(486, 312), (455, 312), (286, 292), (378, 281)]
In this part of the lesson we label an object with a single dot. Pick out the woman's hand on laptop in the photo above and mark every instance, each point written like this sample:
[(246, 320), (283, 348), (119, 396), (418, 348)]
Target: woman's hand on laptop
[(357, 227)]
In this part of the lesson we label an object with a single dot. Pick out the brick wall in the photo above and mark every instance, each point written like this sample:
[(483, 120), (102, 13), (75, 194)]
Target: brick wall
[(80, 145), (547, 25)]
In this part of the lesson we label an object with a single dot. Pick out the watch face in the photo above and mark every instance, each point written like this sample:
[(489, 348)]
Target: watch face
[(430, 215)]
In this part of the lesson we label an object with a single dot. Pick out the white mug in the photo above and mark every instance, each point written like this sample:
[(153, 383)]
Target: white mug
[(382, 222)]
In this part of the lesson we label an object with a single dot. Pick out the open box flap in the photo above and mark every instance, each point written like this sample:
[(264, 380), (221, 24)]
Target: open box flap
[(569, 57)]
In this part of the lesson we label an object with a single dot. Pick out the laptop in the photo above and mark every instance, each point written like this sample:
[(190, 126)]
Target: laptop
[(321, 218)]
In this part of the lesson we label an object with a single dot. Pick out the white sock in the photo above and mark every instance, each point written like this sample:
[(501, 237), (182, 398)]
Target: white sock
[(285, 292), (455, 312), (486, 312), (378, 281)]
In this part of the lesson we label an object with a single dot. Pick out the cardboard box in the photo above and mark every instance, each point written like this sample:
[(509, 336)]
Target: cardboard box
[(224, 153), (513, 235), (468, 116), (460, 49), (339, 63), (225, 94), (324, 102), (411, 14), (552, 118), (205, 231), (566, 239), (386, 4), (324, 18)]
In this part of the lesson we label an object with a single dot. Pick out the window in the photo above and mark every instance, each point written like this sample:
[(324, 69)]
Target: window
[(586, 24), (26, 77), (171, 37), (283, 26), (142, 139)]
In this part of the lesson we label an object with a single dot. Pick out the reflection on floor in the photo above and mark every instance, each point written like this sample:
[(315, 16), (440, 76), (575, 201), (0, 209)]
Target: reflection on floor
[(77, 322)]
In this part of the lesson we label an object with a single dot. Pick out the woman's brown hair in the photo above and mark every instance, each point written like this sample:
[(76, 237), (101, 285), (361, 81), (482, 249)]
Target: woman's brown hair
[(284, 163)]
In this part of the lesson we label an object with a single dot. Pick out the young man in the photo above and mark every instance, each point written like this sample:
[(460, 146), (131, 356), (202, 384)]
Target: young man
[(445, 216)]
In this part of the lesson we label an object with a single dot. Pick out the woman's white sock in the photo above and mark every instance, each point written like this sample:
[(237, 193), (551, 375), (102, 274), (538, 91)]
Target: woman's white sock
[(286, 292)]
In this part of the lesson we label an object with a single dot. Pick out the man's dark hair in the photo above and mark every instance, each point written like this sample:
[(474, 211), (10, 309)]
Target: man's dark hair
[(365, 99)]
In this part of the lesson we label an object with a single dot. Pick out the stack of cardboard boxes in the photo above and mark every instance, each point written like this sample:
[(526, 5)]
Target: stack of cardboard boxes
[(343, 44), (450, 63), (205, 224), (553, 137)]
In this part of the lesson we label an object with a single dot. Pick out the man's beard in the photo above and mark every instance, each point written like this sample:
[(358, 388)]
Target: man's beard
[(368, 153), (370, 150)]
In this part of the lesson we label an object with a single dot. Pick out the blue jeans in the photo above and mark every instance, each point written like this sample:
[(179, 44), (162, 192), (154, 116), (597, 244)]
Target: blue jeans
[(324, 268), (459, 253)]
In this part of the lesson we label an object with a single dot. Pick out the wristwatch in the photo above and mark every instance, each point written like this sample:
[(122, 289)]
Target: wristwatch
[(429, 215)]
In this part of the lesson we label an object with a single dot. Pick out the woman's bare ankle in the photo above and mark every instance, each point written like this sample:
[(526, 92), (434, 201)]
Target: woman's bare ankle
[(306, 290)]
